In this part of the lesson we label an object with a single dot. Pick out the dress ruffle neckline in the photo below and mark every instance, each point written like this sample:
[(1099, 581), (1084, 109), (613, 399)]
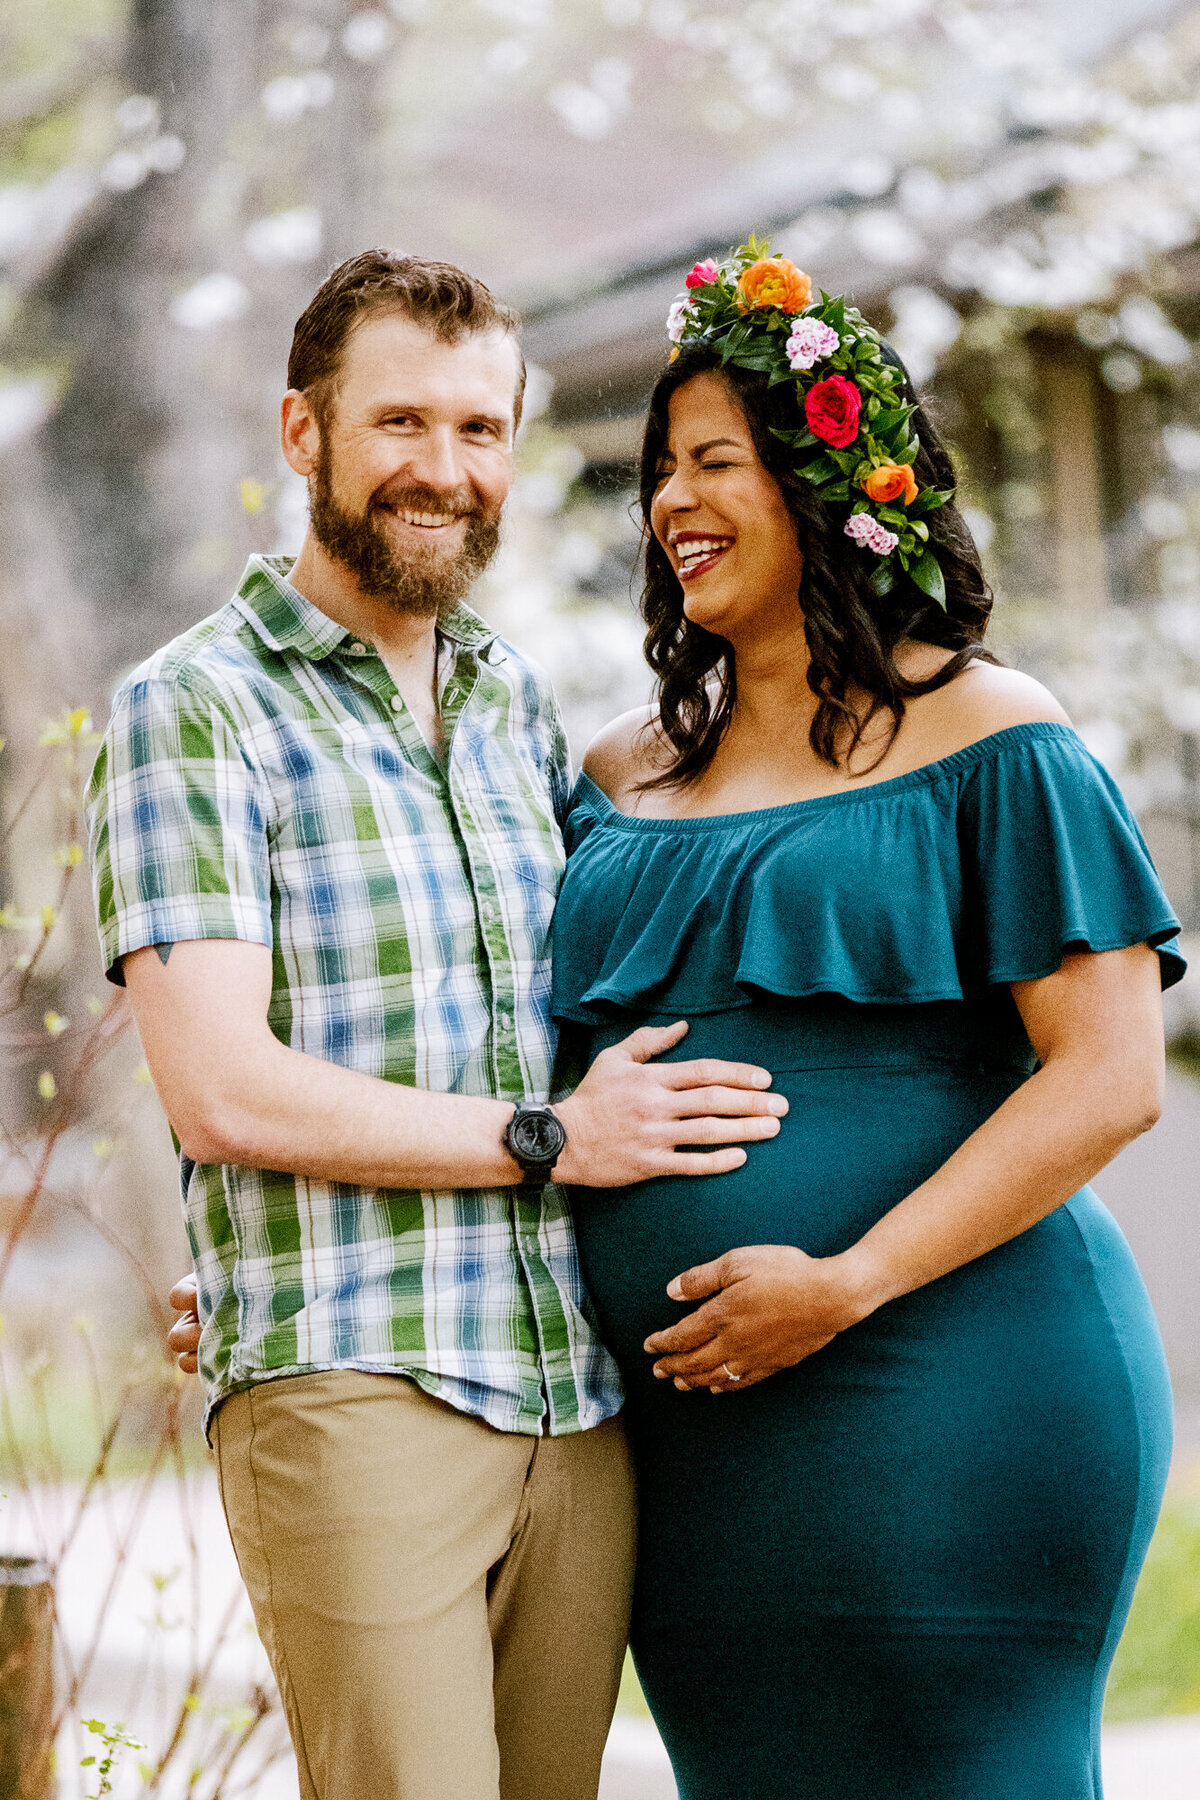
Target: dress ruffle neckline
[(978, 870)]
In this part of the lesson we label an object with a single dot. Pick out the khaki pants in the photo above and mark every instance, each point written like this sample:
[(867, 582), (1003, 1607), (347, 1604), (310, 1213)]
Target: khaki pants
[(444, 1605)]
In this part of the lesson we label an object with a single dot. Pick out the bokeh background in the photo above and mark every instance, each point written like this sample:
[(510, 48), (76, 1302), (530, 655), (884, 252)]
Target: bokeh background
[(1012, 191)]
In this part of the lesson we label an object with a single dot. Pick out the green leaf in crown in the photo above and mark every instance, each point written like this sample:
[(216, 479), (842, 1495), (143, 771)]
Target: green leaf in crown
[(758, 312)]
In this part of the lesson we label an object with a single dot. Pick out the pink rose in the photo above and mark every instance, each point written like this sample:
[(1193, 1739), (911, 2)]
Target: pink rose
[(832, 407), (702, 274)]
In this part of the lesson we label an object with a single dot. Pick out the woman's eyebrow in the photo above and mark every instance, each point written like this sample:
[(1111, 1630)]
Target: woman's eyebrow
[(716, 443)]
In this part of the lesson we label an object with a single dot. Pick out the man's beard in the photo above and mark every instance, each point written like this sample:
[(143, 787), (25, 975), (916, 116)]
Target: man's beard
[(426, 581)]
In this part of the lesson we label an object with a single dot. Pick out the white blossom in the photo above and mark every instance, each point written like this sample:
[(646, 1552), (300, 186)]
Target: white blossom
[(289, 97), (23, 407), (213, 300), (677, 318), (1182, 445), (925, 326), (866, 530), (810, 340), (137, 115), (366, 35), (165, 155), (283, 238), (124, 170)]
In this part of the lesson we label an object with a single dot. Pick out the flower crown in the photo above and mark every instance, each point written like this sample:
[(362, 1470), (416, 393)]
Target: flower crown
[(758, 310)]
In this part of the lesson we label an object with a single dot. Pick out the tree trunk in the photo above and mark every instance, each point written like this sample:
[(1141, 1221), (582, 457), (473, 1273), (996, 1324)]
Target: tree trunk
[(160, 422), (121, 520), (26, 1678)]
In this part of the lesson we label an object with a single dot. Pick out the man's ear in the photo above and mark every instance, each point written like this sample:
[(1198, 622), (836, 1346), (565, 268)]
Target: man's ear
[(299, 432)]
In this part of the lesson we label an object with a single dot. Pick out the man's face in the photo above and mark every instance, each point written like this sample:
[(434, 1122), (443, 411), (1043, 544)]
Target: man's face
[(415, 460)]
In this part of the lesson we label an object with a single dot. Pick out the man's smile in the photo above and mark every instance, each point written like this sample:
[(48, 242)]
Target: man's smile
[(422, 521)]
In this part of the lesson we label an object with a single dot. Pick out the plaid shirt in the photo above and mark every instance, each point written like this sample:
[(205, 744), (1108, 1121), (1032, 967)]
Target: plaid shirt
[(261, 779)]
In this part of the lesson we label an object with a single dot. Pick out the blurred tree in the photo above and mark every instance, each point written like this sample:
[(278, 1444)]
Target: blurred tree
[(161, 405)]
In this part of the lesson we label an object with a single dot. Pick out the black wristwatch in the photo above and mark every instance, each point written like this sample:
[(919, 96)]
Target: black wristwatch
[(535, 1138)]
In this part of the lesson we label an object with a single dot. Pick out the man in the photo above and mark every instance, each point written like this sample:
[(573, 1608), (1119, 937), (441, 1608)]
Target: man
[(325, 840)]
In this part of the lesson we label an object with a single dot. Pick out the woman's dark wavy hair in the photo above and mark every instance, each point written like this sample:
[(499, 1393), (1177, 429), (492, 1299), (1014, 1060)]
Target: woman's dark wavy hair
[(852, 633)]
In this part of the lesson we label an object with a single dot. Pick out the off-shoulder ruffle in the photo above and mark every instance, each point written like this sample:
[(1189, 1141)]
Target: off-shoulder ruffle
[(977, 870)]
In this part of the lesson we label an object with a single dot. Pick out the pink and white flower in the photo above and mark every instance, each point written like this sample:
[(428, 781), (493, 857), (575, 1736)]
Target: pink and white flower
[(703, 273), (868, 532), (677, 318), (811, 339)]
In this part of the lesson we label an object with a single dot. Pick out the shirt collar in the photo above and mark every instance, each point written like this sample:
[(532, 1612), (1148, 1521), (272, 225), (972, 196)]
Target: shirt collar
[(285, 620)]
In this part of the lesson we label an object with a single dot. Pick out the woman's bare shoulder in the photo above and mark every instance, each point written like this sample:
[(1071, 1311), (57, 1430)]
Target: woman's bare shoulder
[(987, 698), (624, 753), (983, 699)]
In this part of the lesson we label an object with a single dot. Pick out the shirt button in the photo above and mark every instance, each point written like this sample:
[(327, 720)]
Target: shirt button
[(504, 1021), (397, 703), (358, 650), (488, 910)]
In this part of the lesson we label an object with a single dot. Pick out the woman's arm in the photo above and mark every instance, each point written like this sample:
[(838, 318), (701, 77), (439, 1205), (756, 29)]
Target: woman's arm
[(1096, 1027)]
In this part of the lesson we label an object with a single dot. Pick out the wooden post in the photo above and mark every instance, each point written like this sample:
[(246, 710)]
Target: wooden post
[(1075, 472), (26, 1678)]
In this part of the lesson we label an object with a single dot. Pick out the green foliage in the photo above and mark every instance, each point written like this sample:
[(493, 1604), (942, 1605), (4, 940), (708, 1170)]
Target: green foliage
[(114, 1739), (928, 499), (927, 573), (60, 70)]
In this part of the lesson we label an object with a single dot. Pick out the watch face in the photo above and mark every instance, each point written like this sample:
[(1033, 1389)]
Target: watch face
[(538, 1136)]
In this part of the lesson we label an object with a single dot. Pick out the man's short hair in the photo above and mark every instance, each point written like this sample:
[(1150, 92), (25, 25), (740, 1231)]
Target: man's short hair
[(438, 295)]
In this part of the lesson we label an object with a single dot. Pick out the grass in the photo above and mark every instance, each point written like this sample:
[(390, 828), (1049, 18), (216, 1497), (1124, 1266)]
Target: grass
[(631, 1701), (1157, 1667)]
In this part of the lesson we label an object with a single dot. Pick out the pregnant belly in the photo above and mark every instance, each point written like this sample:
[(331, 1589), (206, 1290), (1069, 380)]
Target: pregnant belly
[(978, 1447), (855, 1141)]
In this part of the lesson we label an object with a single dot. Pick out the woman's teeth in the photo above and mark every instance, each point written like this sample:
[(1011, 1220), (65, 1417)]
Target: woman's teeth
[(700, 550)]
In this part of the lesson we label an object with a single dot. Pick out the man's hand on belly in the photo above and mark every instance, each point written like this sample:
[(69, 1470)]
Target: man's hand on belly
[(765, 1307), (629, 1115)]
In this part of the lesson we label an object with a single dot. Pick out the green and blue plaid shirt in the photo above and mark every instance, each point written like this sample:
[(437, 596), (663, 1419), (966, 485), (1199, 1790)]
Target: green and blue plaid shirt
[(261, 779)]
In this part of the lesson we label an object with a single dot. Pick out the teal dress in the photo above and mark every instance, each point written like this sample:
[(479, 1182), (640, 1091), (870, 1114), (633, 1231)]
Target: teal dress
[(899, 1570)]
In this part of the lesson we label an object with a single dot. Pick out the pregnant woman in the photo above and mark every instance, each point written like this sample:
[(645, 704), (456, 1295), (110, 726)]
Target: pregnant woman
[(897, 1397)]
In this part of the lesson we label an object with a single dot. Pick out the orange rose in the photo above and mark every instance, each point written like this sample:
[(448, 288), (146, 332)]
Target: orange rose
[(893, 481), (774, 281)]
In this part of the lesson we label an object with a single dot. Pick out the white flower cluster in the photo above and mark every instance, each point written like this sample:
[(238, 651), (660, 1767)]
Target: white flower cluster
[(809, 342), (677, 318), (868, 532)]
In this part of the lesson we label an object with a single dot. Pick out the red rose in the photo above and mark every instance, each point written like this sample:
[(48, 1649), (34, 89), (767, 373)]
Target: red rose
[(832, 407)]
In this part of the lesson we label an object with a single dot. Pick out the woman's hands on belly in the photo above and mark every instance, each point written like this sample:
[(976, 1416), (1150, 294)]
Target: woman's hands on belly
[(765, 1307), (1096, 1028)]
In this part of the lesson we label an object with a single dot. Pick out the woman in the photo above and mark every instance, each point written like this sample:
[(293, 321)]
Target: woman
[(903, 1423)]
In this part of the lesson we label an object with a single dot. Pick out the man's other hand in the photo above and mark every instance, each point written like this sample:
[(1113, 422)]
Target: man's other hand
[(183, 1338)]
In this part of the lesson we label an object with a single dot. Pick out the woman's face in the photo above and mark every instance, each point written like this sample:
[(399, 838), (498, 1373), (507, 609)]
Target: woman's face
[(721, 517)]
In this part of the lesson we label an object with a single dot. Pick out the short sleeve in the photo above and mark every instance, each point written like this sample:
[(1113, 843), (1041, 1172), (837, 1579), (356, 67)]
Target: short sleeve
[(1053, 860), (177, 825)]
